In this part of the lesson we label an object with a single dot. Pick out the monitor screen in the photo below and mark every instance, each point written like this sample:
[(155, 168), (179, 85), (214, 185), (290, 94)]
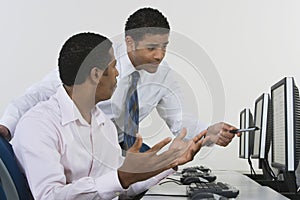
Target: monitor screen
[(257, 133), (286, 118), (279, 110), (246, 139)]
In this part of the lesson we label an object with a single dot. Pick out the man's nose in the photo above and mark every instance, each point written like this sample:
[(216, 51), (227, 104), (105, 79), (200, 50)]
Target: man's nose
[(159, 54), (116, 73)]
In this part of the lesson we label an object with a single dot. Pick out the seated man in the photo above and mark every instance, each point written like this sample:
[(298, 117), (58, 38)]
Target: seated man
[(68, 148)]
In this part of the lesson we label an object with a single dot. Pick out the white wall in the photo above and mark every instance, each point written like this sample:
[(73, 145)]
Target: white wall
[(252, 43)]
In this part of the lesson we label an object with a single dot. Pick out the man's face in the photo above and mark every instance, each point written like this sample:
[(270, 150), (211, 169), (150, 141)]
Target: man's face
[(148, 53), (107, 83)]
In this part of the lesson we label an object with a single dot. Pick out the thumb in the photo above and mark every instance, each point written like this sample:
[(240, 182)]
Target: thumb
[(137, 144)]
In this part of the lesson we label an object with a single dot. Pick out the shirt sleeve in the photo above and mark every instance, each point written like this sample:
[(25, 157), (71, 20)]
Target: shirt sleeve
[(40, 91), (172, 109)]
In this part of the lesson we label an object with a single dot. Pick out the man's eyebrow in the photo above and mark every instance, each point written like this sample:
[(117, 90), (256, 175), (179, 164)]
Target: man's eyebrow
[(156, 44)]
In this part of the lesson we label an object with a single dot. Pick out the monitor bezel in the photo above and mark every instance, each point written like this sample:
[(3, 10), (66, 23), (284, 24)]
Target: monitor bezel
[(263, 131), (248, 143), (288, 84)]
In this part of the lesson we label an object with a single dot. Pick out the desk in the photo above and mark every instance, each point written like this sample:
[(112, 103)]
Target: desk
[(248, 188)]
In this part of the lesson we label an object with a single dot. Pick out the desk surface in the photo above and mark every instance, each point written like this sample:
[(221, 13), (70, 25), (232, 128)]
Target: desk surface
[(248, 188)]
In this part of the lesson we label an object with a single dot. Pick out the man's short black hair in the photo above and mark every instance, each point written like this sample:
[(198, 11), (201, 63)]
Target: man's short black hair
[(146, 21), (80, 54)]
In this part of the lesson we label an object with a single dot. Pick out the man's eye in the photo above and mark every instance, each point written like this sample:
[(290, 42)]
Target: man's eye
[(151, 48)]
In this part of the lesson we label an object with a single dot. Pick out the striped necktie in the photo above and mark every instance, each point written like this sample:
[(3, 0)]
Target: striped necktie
[(131, 125)]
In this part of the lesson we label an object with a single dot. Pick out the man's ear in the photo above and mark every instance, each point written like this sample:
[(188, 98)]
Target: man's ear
[(130, 43), (96, 74)]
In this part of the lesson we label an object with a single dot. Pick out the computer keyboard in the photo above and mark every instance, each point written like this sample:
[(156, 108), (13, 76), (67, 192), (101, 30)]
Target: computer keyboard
[(219, 188)]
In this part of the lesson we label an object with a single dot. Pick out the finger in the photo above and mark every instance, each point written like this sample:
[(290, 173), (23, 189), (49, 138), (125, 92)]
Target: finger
[(137, 144), (160, 145), (227, 134), (196, 148), (223, 141), (192, 151), (199, 136), (232, 128), (182, 134), (228, 127)]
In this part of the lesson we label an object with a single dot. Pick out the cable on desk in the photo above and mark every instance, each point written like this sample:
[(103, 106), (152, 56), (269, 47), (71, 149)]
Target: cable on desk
[(167, 195), (171, 180), (251, 167), (269, 169)]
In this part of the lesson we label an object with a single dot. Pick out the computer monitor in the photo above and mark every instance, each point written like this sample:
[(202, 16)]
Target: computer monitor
[(263, 136), (262, 120), (246, 139), (286, 129)]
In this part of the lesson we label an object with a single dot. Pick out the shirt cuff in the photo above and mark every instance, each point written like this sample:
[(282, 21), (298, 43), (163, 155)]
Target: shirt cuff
[(10, 123), (109, 186), (142, 186)]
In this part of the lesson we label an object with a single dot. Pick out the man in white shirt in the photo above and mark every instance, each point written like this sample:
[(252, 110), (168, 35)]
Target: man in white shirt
[(146, 38), (68, 148)]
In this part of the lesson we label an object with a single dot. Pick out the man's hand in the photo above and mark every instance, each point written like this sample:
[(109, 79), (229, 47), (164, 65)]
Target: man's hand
[(5, 132), (219, 134), (141, 166), (190, 147)]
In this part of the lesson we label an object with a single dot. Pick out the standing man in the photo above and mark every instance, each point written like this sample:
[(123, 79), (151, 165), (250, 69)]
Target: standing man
[(72, 151), (146, 39)]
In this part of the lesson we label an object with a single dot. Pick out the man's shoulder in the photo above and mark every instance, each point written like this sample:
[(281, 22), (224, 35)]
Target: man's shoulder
[(43, 111)]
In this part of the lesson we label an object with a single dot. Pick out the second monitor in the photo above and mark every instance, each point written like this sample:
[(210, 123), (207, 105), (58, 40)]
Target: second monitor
[(263, 136)]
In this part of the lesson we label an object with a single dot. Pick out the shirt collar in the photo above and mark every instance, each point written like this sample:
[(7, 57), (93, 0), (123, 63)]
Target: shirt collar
[(70, 112), (124, 65), (98, 115)]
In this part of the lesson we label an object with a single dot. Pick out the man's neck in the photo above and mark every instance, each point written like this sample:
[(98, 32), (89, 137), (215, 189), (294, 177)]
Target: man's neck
[(79, 94)]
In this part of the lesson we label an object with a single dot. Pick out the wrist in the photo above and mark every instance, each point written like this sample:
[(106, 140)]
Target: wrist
[(125, 178)]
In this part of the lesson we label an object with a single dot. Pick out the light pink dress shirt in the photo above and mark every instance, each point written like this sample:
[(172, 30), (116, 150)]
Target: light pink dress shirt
[(64, 157)]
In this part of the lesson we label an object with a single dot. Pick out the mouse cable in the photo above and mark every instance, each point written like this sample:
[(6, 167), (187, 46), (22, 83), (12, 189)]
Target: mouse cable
[(171, 180), (251, 167)]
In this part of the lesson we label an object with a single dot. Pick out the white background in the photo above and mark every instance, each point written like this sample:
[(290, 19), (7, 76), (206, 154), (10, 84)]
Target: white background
[(252, 43)]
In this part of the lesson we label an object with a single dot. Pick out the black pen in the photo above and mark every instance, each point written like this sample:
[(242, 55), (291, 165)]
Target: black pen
[(244, 130)]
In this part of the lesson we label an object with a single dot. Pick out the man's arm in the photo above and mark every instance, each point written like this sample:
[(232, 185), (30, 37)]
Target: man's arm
[(40, 91), (174, 112), (187, 149)]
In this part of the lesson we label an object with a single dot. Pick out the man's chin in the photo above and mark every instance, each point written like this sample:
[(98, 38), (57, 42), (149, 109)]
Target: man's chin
[(151, 69)]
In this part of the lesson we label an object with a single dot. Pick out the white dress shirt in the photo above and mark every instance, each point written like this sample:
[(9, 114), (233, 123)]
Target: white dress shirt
[(158, 90), (64, 157)]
